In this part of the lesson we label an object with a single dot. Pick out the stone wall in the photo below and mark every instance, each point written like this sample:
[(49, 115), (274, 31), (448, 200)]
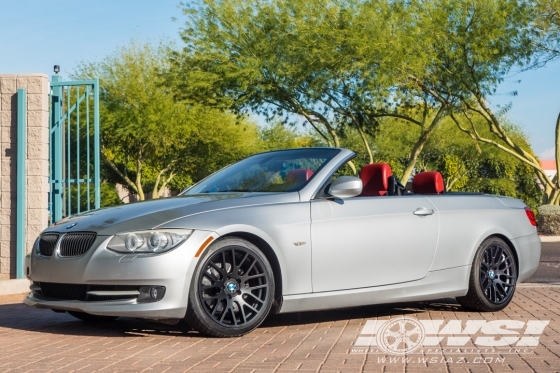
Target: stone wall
[(37, 87)]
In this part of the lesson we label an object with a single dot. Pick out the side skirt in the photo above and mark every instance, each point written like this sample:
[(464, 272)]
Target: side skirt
[(452, 282)]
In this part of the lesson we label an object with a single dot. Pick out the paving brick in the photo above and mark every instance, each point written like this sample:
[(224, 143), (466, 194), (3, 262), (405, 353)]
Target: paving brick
[(306, 342)]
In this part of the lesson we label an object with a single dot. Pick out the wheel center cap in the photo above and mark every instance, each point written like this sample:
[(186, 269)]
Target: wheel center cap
[(231, 287), (491, 273)]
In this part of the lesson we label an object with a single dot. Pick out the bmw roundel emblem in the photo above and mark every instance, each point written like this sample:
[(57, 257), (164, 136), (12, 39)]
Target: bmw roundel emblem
[(71, 225)]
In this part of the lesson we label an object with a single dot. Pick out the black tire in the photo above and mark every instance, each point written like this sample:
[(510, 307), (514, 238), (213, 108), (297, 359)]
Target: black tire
[(232, 289), (89, 318), (493, 277)]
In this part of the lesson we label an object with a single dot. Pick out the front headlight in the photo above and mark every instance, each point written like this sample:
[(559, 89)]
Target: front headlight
[(158, 241)]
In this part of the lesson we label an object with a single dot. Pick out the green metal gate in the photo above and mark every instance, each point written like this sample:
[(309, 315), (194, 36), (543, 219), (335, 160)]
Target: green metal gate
[(74, 147)]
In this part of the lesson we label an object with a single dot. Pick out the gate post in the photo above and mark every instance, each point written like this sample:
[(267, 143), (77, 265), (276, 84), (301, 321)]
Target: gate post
[(21, 180), (96, 145), (56, 151)]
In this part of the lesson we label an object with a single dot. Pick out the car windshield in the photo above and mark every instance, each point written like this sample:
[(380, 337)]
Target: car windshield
[(279, 171)]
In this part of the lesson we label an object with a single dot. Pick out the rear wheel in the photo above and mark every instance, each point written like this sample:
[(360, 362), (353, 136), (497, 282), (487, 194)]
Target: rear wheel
[(90, 318), (493, 277), (232, 289)]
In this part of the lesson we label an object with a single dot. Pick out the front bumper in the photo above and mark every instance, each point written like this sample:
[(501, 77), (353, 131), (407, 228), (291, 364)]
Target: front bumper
[(100, 266)]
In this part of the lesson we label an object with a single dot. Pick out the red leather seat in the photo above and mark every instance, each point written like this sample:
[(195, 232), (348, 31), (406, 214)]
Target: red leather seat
[(301, 175), (375, 178), (428, 183)]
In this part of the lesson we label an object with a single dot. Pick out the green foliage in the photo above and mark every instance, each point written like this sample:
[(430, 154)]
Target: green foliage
[(389, 79), (334, 63), (340, 64), (108, 194), (278, 136), (149, 141), (548, 23), (549, 210)]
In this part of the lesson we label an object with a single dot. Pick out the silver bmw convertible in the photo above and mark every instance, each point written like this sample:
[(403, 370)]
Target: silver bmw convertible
[(285, 231)]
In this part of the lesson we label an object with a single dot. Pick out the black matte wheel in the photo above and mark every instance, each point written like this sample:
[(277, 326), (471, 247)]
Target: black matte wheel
[(86, 317), (493, 277), (232, 289)]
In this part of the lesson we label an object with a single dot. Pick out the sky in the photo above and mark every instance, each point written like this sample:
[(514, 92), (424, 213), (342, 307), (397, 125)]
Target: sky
[(38, 34)]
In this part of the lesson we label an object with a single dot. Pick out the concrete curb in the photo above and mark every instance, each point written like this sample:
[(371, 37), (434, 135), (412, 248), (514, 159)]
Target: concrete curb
[(538, 285), (11, 287), (550, 238)]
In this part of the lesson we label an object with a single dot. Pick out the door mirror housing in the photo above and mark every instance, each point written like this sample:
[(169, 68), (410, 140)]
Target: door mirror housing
[(346, 187)]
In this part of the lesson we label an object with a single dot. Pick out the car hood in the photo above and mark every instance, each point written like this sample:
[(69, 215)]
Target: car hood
[(153, 213)]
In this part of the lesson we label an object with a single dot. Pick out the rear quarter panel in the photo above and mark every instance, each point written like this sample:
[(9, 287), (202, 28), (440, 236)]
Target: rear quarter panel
[(467, 220)]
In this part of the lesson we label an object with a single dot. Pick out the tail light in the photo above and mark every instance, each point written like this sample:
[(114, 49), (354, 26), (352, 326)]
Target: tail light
[(531, 216)]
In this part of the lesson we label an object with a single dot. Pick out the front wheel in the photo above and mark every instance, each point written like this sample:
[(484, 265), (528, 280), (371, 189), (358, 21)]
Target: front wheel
[(232, 289), (493, 277)]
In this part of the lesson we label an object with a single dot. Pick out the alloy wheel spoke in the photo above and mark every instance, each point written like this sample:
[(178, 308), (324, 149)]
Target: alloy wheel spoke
[(497, 292), (252, 265), (233, 265), (226, 307), (224, 262), (243, 260), (220, 270), (257, 287), (255, 276), (241, 311), (207, 287), (233, 316), (245, 304), (215, 308), (255, 297), (225, 312)]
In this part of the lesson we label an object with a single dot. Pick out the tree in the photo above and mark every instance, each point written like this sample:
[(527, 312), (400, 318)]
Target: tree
[(150, 141), (470, 47), (349, 64), (548, 25), (312, 59)]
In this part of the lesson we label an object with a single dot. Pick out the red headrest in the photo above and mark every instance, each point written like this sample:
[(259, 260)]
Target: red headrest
[(301, 175), (375, 178), (427, 183)]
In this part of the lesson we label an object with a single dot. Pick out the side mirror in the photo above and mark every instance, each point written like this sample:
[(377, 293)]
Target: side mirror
[(346, 187)]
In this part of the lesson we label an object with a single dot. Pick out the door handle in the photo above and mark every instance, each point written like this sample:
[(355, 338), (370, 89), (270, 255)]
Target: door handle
[(422, 211)]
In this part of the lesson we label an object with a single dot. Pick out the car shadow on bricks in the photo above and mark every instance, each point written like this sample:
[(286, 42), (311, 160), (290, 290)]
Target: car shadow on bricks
[(21, 317), (364, 312)]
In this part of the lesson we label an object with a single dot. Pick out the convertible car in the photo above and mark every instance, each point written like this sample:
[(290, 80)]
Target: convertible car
[(285, 231)]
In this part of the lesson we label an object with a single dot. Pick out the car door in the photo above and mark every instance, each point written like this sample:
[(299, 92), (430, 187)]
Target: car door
[(361, 242)]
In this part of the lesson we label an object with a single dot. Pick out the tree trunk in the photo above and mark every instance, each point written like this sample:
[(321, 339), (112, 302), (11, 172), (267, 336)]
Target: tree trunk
[(364, 139), (139, 175), (417, 149)]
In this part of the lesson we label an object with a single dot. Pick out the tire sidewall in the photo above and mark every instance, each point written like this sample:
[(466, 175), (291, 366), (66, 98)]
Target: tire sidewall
[(194, 297), (476, 266)]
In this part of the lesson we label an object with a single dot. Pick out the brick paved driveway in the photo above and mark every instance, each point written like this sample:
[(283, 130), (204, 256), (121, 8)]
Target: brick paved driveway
[(44, 341)]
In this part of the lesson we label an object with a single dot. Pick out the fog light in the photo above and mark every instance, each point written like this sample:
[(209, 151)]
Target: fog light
[(151, 293)]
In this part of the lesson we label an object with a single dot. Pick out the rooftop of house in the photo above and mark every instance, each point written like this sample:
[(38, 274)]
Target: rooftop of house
[(548, 164)]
